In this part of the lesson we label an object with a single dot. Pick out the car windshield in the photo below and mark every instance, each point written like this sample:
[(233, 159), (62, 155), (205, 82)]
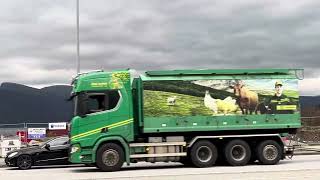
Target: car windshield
[(56, 141)]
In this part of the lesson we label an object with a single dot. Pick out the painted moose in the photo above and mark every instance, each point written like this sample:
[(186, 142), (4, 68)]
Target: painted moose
[(246, 99)]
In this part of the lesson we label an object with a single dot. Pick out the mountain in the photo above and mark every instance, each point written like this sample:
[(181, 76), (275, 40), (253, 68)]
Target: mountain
[(310, 101), (59, 90), (20, 103)]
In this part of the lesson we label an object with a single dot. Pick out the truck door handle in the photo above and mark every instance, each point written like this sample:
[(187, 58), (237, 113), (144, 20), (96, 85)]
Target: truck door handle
[(104, 130)]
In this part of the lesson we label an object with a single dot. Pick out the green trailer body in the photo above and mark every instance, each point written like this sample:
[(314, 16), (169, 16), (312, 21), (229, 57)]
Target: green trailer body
[(164, 117), (117, 107)]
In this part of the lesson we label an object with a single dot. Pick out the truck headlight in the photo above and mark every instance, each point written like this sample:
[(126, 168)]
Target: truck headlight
[(12, 154), (74, 149)]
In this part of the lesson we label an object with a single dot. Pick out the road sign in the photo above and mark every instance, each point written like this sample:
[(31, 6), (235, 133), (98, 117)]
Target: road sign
[(36, 133), (55, 126)]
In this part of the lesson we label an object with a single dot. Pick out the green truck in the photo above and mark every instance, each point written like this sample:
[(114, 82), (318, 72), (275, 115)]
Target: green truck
[(196, 117)]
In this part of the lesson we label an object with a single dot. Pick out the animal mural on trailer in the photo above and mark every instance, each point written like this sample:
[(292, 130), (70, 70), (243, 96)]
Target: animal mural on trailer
[(247, 100), (171, 101), (227, 105), (220, 97)]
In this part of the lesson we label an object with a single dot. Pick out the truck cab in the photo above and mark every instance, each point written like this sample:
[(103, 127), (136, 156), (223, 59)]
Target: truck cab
[(103, 111)]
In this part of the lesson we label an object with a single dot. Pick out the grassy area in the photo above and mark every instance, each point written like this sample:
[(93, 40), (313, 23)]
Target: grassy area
[(155, 104), (291, 93), (189, 98)]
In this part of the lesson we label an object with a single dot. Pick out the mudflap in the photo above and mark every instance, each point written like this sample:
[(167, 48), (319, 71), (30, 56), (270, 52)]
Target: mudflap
[(288, 152)]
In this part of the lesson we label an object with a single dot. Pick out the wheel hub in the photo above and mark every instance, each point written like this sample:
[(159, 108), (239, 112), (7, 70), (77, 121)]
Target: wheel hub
[(110, 157), (204, 154), (24, 162), (238, 152), (270, 152)]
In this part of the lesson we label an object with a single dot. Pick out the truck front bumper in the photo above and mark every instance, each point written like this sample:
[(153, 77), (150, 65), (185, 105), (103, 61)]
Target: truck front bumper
[(80, 156)]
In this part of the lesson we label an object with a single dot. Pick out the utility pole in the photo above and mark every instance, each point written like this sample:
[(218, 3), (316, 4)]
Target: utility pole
[(78, 43)]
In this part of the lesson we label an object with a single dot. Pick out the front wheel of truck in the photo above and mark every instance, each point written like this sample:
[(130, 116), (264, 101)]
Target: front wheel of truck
[(110, 157)]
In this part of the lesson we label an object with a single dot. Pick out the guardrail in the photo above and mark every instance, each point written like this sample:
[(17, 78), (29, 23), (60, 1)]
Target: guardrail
[(307, 149)]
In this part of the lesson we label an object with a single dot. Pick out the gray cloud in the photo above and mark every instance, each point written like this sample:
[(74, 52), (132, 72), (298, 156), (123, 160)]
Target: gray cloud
[(39, 37)]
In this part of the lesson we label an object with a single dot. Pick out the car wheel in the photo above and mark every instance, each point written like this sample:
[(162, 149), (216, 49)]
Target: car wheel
[(203, 154), (110, 157), (24, 162), (237, 152), (269, 152)]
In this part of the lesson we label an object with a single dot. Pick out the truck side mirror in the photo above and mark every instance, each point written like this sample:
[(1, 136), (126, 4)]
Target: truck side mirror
[(83, 105)]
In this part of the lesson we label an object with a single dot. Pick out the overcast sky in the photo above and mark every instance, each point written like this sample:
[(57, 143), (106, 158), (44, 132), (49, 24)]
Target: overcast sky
[(38, 38)]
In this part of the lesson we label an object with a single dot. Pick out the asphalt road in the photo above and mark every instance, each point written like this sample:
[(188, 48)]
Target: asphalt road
[(300, 167)]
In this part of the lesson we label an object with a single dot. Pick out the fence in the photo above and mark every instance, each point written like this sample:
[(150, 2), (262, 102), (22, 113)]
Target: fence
[(8, 130), (310, 131)]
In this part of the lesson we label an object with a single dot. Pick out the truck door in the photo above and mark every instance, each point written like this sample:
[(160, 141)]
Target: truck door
[(106, 114), (119, 113)]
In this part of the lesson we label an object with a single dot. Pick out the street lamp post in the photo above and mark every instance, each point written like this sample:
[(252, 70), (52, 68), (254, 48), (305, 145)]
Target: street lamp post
[(78, 44)]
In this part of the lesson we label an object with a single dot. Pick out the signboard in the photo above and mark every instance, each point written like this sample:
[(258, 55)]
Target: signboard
[(55, 126), (8, 145), (36, 133)]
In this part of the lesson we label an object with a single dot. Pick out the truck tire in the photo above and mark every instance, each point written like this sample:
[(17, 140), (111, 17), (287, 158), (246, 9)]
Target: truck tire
[(203, 154), (24, 162), (269, 152), (110, 157), (237, 152)]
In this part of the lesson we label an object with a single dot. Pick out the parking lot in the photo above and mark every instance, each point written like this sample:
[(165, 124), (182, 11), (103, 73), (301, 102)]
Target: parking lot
[(304, 166)]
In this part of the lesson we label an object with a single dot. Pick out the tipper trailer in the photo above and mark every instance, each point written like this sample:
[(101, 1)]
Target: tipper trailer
[(196, 117)]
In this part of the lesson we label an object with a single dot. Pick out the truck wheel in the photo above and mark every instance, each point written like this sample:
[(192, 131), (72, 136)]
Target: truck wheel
[(24, 162), (269, 152), (203, 154), (110, 157), (237, 152)]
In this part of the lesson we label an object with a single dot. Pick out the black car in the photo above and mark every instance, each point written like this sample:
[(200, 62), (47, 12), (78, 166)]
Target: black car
[(53, 152)]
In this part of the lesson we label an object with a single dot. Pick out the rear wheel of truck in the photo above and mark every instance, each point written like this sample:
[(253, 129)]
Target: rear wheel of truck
[(110, 157), (237, 152), (269, 152), (203, 154)]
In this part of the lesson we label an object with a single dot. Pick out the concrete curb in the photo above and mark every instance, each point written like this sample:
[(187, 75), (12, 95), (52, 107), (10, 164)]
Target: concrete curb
[(2, 163), (3, 166)]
